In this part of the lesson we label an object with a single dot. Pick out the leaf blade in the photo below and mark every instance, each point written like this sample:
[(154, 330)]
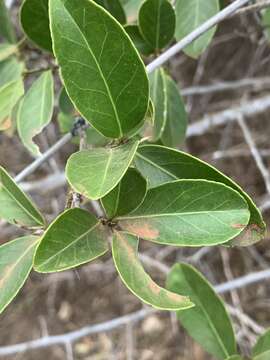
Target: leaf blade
[(160, 165), (16, 207), (190, 15), (157, 22), (35, 22), (6, 27), (261, 349), (94, 173), (74, 238), (115, 9), (176, 122), (208, 322), (35, 111), (159, 97), (132, 187), (125, 256), (117, 103), (188, 213), (10, 94), (16, 261)]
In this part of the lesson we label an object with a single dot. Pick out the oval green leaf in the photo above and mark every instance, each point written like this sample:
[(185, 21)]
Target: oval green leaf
[(65, 104), (6, 27), (160, 165), (208, 322), (6, 50), (188, 213), (176, 119), (74, 238), (158, 95), (131, 7), (261, 350), (16, 261), (125, 256), (35, 111), (10, 70), (115, 8), (10, 94), (127, 195), (94, 173), (15, 206), (108, 85), (35, 22), (141, 45), (157, 22), (189, 16)]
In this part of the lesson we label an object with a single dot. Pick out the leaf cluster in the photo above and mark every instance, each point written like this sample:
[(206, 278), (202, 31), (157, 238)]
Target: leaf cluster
[(130, 162)]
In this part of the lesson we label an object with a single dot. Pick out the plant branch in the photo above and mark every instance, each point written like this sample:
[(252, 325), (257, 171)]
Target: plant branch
[(254, 151), (73, 336), (219, 17), (247, 109), (263, 4)]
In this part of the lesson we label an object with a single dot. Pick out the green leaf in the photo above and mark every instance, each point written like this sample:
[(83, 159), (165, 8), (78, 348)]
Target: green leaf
[(189, 16), (6, 50), (141, 45), (157, 22), (235, 357), (108, 85), (10, 70), (160, 165), (10, 94), (127, 195), (115, 8), (188, 213), (6, 27), (65, 104), (208, 322), (16, 261), (94, 173), (35, 22), (74, 238), (15, 206), (131, 7), (125, 256), (261, 350), (159, 97), (176, 122), (35, 111)]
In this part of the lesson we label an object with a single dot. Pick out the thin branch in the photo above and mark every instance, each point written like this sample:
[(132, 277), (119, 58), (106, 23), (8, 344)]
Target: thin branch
[(73, 336), (247, 109), (44, 157), (222, 15), (254, 151), (256, 84), (243, 281), (264, 4)]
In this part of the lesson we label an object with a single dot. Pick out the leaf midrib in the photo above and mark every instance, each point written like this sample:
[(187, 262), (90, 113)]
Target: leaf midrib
[(21, 206), (157, 166), (177, 214), (99, 69), (212, 326), (69, 245), (10, 270), (105, 172)]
